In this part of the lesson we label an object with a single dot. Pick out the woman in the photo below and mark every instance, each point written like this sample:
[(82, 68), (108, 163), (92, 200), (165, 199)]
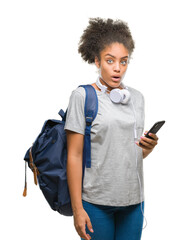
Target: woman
[(110, 205)]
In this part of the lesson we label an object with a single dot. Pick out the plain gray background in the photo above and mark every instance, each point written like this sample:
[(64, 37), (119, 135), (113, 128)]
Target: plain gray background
[(39, 68)]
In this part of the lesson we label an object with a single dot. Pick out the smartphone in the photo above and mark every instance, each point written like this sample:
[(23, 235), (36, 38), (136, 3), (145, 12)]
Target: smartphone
[(154, 129)]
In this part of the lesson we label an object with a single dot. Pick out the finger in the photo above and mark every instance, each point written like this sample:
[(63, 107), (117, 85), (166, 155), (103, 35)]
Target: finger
[(89, 225), (141, 146), (145, 132), (82, 233), (146, 145), (154, 136), (85, 235), (89, 236), (148, 142)]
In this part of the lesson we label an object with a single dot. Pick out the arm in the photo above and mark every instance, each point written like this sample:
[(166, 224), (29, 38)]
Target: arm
[(74, 168), (75, 142)]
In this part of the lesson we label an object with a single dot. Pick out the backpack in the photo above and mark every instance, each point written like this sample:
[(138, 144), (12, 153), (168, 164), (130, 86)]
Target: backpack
[(47, 157)]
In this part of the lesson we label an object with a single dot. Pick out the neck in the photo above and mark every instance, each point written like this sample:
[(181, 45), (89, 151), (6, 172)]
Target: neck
[(109, 88)]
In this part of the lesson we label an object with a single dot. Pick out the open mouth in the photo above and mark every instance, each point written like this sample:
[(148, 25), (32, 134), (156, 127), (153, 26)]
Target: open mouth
[(115, 78)]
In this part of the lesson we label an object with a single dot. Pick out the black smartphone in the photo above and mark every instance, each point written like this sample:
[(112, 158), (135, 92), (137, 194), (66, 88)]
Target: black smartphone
[(154, 129)]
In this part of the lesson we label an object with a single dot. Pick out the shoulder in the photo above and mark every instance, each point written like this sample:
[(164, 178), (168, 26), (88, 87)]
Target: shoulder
[(136, 93), (80, 90), (78, 93)]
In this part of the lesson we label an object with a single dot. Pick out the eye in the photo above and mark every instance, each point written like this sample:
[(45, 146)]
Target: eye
[(109, 61), (124, 62)]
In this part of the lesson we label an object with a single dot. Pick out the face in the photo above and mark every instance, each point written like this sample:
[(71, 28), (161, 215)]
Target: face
[(113, 64)]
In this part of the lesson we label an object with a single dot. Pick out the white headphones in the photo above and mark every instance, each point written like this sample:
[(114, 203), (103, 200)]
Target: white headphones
[(116, 95)]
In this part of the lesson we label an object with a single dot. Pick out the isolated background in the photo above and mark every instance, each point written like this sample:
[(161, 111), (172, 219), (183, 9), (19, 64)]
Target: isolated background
[(39, 68)]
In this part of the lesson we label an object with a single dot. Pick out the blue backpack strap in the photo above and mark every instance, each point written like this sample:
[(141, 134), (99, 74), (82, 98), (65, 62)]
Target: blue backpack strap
[(61, 113), (91, 109)]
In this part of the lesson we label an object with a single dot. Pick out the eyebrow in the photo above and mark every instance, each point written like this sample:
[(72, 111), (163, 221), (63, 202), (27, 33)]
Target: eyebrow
[(114, 56)]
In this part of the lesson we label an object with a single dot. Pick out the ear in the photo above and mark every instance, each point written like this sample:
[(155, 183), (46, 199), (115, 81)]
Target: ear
[(97, 62)]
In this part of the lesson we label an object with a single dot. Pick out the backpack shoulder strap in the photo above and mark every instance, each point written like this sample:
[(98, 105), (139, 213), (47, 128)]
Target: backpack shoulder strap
[(91, 104), (91, 109)]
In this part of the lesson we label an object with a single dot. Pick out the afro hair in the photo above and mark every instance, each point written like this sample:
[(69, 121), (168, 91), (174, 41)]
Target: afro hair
[(101, 33)]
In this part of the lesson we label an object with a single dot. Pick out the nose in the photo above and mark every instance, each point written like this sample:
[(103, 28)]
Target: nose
[(117, 67)]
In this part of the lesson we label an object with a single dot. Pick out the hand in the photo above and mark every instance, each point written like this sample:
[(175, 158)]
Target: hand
[(147, 143), (80, 219)]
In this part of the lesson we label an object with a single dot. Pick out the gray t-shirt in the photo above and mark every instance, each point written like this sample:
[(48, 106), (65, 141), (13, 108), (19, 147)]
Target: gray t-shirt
[(112, 179)]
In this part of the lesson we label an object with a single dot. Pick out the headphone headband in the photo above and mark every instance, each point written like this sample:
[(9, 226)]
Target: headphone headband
[(116, 95)]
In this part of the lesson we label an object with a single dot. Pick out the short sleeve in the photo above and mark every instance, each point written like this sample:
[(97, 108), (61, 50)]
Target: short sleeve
[(75, 118)]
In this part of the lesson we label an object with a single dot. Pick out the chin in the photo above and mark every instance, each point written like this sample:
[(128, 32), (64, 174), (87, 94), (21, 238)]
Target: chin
[(115, 84)]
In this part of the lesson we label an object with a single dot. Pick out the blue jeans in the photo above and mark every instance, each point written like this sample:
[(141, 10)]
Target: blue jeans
[(114, 223)]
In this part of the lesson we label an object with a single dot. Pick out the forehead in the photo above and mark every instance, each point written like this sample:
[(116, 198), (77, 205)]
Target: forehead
[(118, 50)]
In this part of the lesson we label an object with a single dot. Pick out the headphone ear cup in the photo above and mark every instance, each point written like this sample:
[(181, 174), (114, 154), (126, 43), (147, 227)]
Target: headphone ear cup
[(116, 96), (120, 96), (127, 96)]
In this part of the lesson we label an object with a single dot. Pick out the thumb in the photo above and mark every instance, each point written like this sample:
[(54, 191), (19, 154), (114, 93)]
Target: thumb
[(89, 225), (145, 132)]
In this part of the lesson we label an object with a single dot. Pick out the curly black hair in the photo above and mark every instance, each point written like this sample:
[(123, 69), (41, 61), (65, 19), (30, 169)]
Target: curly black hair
[(101, 33)]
